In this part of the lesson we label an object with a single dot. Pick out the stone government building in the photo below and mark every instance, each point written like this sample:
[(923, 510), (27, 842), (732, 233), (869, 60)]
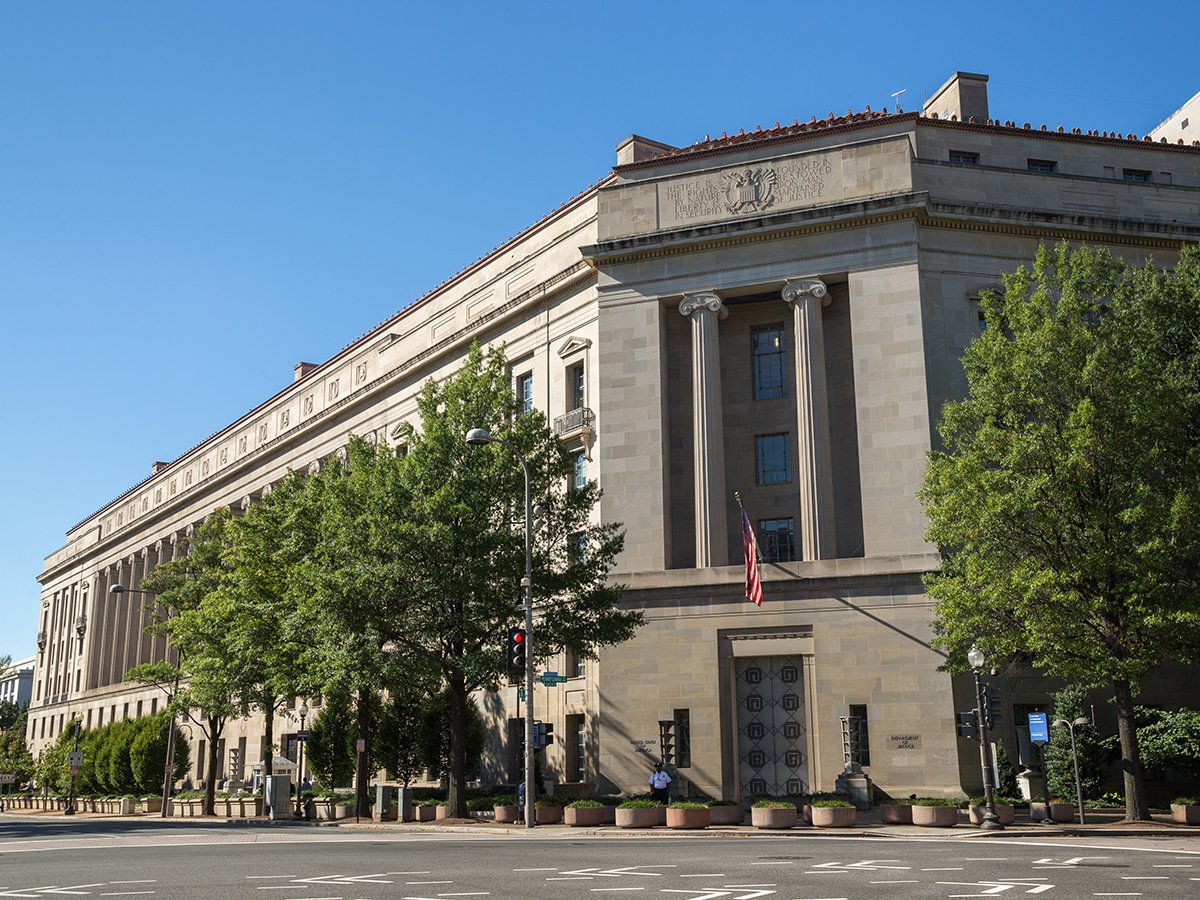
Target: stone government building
[(778, 312)]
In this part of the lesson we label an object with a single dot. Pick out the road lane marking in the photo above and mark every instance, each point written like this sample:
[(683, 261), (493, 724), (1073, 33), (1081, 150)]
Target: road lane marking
[(895, 882), (706, 875), (1145, 877), (1170, 866), (614, 889), (543, 869), (259, 877)]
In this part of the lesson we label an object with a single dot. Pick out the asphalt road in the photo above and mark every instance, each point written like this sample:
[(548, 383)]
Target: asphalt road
[(105, 858)]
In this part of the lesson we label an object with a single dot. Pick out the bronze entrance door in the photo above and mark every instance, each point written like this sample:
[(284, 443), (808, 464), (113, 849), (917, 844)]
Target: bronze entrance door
[(772, 728)]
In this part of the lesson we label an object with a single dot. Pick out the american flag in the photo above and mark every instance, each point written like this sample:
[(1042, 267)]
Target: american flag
[(750, 549)]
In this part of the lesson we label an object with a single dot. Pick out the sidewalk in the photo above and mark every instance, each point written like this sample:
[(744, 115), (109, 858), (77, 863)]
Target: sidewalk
[(1099, 823)]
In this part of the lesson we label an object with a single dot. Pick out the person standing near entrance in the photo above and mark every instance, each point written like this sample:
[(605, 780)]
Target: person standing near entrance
[(660, 784)]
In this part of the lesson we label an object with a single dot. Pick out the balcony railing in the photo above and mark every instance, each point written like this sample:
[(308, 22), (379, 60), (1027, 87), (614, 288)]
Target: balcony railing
[(568, 424)]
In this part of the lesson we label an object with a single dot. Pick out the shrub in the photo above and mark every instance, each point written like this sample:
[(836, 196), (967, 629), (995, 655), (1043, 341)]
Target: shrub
[(541, 802), (585, 804), (935, 801), (475, 804), (1005, 776), (429, 801), (687, 804), (1071, 703), (504, 800), (898, 801), (1186, 801), (832, 804), (638, 803), (768, 803), (1170, 740)]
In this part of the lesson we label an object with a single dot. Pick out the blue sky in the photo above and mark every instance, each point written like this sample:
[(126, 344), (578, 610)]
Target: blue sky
[(196, 196)]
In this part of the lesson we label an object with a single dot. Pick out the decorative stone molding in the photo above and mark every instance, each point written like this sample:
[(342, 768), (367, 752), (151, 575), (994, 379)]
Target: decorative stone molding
[(573, 344), (342, 455), (314, 467), (245, 502)]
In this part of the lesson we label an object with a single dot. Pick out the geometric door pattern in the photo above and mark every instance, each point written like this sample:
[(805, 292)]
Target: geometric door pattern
[(772, 727)]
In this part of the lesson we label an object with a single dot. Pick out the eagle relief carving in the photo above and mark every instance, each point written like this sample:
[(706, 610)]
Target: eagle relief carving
[(751, 190)]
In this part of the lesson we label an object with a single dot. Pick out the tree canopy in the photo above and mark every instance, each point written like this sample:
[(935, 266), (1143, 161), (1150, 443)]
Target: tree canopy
[(1066, 495)]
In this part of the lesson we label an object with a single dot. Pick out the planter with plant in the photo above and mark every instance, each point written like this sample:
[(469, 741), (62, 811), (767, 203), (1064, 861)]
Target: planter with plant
[(726, 812), (1006, 811), (935, 812), (773, 814), (896, 812), (686, 815), (547, 811), (1185, 810), (504, 808), (427, 809), (584, 813), (833, 814), (638, 814)]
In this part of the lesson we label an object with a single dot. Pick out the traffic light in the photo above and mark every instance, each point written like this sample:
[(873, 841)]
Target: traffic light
[(543, 735), (965, 723), (516, 651), (994, 705), (666, 741)]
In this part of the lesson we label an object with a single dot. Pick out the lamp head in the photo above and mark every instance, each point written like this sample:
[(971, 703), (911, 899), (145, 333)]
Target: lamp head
[(117, 588), (1083, 720), (303, 710), (1059, 723), (976, 658), (478, 436)]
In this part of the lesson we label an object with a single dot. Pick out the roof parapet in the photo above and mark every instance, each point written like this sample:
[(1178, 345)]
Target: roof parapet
[(963, 98)]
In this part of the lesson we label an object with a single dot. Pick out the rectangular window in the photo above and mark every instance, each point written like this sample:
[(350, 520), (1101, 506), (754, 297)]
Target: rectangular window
[(683, 738), (579, 480), (200, 760), (576, 666), (770, 364), (576, 749), (777, 539), (1044, 166), (577, 547), (153, 706), (963, 158), (861, 734), (1137, 175), (525, 392), (773, 456), (575, 387)]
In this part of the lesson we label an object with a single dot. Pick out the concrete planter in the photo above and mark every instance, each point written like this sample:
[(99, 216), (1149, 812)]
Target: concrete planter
[(767, 817), (151, 804), (935, 816), (127, 806), (1057, 812), (506, 815), (687, 819), (585, 817), (1004, 811), (443, 811), (895, 813), (637, 818), (1185, 815), (548, 815), (834, 816), (726, 815), (343, 810), (426, 813), (251, 807)]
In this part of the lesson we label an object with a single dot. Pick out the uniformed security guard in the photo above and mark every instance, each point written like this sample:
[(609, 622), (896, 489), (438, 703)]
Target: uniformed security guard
[(659, 784)]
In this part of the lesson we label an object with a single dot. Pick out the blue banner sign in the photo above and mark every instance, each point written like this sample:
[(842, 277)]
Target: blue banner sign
[(1039, 728)]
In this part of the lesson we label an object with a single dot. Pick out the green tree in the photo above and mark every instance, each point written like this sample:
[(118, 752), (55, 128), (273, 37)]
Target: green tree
[(400, 737), (120, 769), (15, 758), (1170, 739), (9, 713), (331, 744), (1069, 704), (148, 753), (426, 550), (195, 614), (1066, 500), (434, 749), (1006, 776)]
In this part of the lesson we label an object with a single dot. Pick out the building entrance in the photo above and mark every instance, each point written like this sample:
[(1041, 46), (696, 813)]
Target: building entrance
[(772, 727)]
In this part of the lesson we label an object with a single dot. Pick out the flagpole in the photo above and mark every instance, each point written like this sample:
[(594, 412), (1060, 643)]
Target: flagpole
[(757, 550)]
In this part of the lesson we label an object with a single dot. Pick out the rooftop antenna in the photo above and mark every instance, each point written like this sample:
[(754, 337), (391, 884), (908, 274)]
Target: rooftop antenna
[(896, 97)]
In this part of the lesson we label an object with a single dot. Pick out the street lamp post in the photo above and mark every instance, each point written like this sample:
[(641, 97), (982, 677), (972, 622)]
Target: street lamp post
[(1058, 723), (477, 437), (300, 739), (990, 819), (70, 810), (169, 765)]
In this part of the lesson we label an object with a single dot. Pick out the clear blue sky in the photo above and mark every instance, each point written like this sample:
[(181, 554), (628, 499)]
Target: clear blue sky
[(194, 196)]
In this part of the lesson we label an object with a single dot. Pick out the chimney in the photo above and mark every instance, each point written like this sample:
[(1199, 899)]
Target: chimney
[(157, 467), (302, 369), (964, 96), (636, 148)]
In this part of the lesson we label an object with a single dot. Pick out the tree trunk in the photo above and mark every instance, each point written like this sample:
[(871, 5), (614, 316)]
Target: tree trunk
[(215, 726), (361, 776), (1136, 807), (269, 759), (457, 799)]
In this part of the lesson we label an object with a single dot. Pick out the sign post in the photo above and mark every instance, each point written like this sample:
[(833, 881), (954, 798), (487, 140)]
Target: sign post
[(1039, 736)]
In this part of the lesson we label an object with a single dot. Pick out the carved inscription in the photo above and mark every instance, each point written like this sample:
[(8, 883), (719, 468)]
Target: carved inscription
[(744, 191), (904, 742)]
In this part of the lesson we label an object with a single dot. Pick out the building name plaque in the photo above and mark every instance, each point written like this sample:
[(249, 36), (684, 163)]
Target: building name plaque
[(904, 742)]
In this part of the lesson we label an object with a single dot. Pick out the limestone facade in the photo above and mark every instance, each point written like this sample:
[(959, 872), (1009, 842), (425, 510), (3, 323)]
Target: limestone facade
[(779, 313)]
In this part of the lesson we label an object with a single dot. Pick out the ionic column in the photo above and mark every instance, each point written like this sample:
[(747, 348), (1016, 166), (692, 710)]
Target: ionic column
[(807, 296), (704, 309), (116, 644)]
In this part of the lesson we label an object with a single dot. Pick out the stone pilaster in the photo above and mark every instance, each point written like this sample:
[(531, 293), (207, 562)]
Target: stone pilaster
[(814, 475), (704, 309)]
